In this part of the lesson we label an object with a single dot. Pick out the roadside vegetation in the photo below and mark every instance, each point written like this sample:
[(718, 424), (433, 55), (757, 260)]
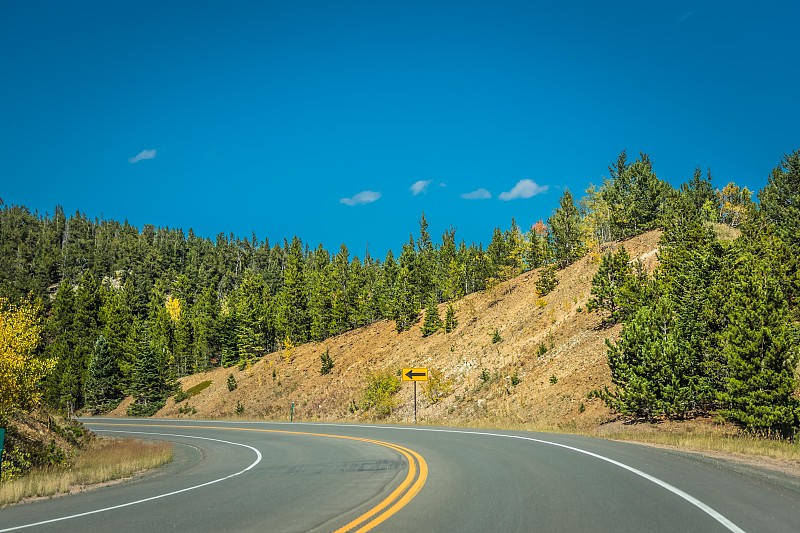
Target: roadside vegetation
[(101, 461), (380, 394), (737, 444), (698, 435)]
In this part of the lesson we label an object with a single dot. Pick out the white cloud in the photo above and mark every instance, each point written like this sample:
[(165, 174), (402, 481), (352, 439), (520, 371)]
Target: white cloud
[(479, 194), (523, 189), (420, 187), (144, 154), (364, 197)]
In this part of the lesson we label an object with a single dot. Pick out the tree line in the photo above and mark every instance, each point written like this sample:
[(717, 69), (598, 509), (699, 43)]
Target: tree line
[(716, 328), (128, 310)]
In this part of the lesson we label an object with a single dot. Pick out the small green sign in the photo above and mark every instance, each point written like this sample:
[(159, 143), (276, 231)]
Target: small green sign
[(2, 445)]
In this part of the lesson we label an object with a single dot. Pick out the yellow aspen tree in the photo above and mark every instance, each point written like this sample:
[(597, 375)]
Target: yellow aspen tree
[(288, 349), (174, 309), (20, 368)]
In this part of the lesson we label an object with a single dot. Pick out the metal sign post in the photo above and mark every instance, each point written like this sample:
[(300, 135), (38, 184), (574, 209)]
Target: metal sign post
[(415, 374), (415, 402)]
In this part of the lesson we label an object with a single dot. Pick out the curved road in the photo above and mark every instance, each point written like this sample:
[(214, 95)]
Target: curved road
[(251, 476)]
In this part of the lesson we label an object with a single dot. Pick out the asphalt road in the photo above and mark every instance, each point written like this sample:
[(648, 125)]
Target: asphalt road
[(248, 476)]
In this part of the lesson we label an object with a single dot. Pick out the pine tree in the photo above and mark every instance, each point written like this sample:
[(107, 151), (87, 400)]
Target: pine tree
[(450, 320), (162, 333), (151, 385), (292, 312), (102, 390), (780, 211), (85, 322), (446, 255), (566, 238), (700, 193), (454, 281), (780, 201), (251, 310), (424, 274), (536, 253), (184, 344), (760, 346), (60, 338), (614, 275), (497, 253), (666, 361), (205, 316), (547, 280), (358, 294), (652, 366), (320, 289), (404, 303), (384, 286), (227, 327), (340, 292), (117, 328), (634, 195), (433, 321)]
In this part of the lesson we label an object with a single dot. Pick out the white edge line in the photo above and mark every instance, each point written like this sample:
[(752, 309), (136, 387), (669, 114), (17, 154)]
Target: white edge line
[(707, 509), (710, 511), (254, 463)]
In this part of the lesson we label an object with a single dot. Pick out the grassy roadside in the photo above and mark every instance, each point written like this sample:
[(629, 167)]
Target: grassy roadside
[(703, 436), (105, 460), (738, 445)]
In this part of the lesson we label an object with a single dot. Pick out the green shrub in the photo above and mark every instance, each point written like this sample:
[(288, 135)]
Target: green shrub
[(327, 362), (180, 395), (541, 350), (239, 408), (379, 395), (547, 280), (553, 379), (496, 337), (145, 409), (437, 387), (232, 383), (433, 321)]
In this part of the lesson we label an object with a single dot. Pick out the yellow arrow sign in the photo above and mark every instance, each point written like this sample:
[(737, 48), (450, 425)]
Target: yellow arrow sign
[(415, 374)]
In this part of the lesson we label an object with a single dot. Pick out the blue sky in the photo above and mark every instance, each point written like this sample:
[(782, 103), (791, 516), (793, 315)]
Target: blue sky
[(341, 122)]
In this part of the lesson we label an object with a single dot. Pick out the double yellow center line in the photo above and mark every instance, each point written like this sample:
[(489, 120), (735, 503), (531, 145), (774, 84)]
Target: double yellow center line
[(399, 498)]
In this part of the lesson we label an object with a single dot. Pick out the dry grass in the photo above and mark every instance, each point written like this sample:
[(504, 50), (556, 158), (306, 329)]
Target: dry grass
[(105, 460), (739, 445), (702, 436)]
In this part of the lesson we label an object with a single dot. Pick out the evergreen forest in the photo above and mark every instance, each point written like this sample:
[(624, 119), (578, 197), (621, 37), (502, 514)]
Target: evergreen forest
[(106, 309)]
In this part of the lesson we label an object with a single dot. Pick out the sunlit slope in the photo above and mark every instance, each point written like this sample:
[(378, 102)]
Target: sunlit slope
[(551, 354)]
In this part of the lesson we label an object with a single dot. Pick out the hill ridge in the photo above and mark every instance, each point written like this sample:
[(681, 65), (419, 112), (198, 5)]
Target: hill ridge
[(510, 381)]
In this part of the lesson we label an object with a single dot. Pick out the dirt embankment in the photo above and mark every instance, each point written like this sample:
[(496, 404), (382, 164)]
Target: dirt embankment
[(552, 353)]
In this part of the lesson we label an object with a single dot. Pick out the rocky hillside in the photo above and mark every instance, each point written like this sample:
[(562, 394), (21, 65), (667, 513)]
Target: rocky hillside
[(550, 355)]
